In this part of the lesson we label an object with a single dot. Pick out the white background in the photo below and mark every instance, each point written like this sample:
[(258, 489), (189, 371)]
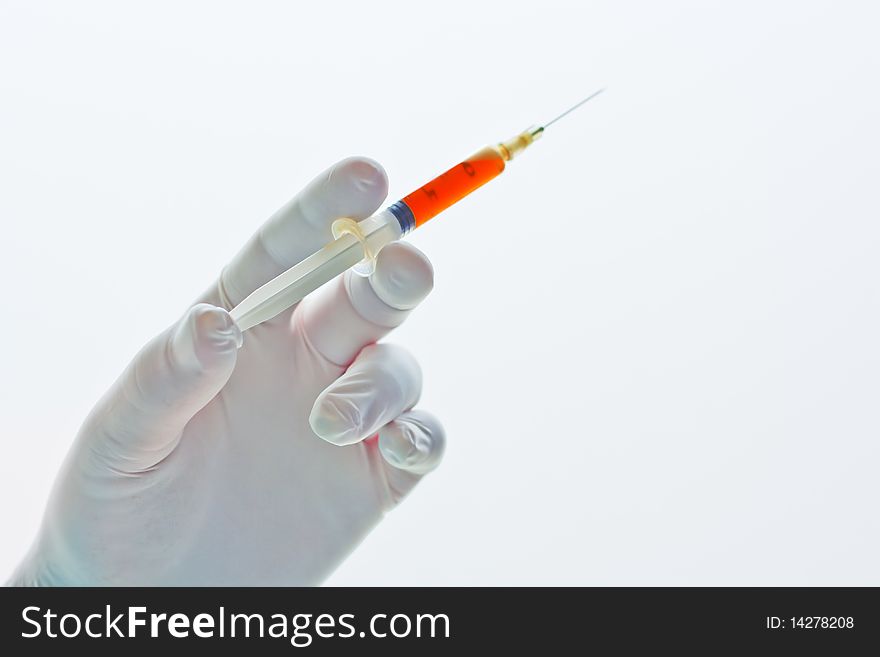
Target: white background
[(653, 341)]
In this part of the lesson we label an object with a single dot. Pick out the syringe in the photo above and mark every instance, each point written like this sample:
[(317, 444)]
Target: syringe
[(359, 241)]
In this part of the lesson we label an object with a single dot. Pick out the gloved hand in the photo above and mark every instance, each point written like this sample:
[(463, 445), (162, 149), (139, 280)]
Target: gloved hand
[(201, 465)]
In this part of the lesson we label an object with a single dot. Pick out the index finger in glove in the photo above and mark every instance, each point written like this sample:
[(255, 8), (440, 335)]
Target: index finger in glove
[(354, 187)]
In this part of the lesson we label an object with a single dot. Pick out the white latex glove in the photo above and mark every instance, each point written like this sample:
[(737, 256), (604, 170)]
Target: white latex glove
[(201, 464)]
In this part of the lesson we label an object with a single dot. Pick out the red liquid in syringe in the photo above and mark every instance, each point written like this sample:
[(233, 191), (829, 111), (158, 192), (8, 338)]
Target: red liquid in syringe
[(450, 187)]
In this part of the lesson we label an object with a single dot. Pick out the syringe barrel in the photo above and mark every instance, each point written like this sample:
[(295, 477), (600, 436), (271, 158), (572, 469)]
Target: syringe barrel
[(448, 188)]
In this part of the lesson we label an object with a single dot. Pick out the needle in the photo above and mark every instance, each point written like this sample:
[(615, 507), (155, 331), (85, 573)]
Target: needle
[(574, 107)]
